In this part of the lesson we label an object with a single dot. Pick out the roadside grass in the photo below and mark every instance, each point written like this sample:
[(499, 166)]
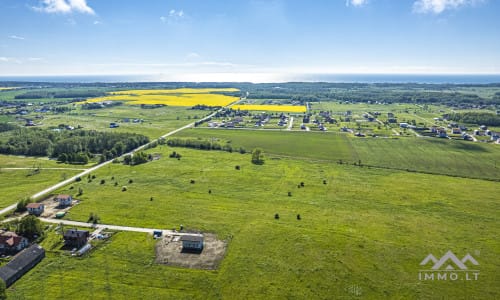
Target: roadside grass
[(439, 156), (362, 234)]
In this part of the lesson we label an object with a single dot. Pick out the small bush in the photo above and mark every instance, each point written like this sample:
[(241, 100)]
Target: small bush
[(124, 188), (237, 167), (130, 181), (276, 216), (103, 181), (289, 194), (77, 179)]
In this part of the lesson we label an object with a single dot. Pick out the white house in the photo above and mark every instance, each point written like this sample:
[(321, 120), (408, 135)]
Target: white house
[(35, 208), (64, 200)]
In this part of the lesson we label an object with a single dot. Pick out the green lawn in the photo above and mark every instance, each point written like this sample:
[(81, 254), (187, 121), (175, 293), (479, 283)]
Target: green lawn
[(363, 233)]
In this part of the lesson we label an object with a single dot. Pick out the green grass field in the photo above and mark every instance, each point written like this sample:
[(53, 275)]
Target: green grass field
[(456, 158), (363, 234), (18, 184)]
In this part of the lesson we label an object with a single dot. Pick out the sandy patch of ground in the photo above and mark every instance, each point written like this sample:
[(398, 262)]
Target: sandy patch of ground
[(169, 252)]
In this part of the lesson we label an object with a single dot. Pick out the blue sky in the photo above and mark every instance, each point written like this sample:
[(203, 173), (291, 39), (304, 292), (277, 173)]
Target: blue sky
[(231, 39)]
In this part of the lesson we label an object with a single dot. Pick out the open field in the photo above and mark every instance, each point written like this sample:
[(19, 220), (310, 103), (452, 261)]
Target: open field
[(174, 97), (361, 232), (13, 161), (457, 158), (18, 184), (278, 108)]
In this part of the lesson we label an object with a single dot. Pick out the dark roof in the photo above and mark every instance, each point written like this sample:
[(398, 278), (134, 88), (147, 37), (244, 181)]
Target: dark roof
[(75, 233), (192, 238), (21, 261)]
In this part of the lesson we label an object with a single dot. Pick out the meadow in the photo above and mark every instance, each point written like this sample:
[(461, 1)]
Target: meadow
[(16, 185), (447, 157), (173, 97), (264, 107), (362, 234)]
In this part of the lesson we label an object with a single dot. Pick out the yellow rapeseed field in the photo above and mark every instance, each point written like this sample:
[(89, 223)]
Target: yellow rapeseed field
[(173, 97), (7, 88), (280, 108)]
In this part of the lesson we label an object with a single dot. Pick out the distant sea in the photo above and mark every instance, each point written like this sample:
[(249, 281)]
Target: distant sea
[(333, 78)]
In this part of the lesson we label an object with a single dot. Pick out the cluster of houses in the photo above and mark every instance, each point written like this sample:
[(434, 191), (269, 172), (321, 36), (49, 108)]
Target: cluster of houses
[(38, 208)]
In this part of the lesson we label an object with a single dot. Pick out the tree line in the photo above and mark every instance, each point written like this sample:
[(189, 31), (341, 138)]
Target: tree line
[(70, 146), (202, 144), (480, 118)]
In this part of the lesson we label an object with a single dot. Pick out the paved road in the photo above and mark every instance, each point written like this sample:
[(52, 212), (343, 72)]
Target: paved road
[(291, 124)]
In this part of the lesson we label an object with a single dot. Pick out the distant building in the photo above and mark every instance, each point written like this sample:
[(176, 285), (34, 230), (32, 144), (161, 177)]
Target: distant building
[(192, 242), (113, 125), (403, 125), (76, 238), (10, 242), (21, 263), (64, 200), (456, 131), (35, 208)]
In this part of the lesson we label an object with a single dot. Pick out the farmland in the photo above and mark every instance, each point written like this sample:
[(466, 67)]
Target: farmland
[(174, 97), (352, 230), (456, 158), (279, 108), (371, 208)]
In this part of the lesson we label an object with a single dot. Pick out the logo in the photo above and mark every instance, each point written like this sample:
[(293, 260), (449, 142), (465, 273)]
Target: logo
[(449, 267)]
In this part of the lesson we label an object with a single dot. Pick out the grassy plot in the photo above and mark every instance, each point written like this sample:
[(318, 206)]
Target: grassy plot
[(432, 155), (279, 108), (314, 145), (14, 161), (458, 158), (156, 122), (363, 233), (18, 184)]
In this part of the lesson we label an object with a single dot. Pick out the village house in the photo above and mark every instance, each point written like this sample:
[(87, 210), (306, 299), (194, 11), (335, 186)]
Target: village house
[(456, 131), (76, 238), (64, 200), (21, 264), (35, 208), (10, 242), (192, 242)]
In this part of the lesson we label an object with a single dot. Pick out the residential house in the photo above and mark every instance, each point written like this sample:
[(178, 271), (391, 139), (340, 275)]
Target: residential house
[(456, 131), (64, 200), (10, 242), (192, 242), (21, 264), (76, 238), (35, 208)]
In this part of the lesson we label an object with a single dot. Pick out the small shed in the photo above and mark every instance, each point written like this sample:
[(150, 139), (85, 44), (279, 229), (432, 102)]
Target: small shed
[(192, 242)]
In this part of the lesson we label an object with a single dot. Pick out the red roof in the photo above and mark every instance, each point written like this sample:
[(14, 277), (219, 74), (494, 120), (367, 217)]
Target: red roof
[(34, 205), (62, 197), (10, 239)]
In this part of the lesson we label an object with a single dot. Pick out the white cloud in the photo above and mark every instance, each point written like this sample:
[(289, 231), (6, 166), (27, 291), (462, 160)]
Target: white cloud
[(4, 59), (173, 15), (193, 55), (439, 6), (64, 6), (97, 22), (33, 59), (356, 2), (16, 37)]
